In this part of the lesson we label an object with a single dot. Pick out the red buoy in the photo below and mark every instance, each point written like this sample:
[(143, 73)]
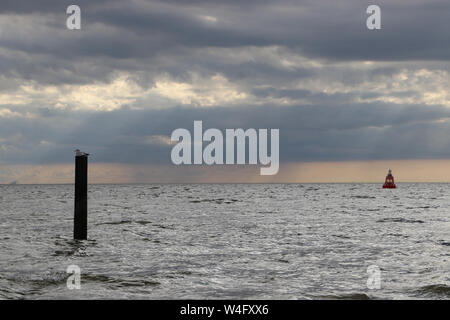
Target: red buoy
[(389, 182)]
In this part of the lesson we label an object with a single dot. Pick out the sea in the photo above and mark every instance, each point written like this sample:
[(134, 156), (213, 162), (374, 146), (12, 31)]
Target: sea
[(227, 241)]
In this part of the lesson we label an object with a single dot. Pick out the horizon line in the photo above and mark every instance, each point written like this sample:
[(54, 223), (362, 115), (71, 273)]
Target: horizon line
[(175, 183)]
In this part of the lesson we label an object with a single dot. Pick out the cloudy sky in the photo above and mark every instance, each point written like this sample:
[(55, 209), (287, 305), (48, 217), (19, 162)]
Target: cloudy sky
[(349, 102)]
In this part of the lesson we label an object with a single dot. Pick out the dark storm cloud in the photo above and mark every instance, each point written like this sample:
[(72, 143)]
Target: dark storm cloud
[(48, 6), (172, 36), (320, 132), (331, 30)]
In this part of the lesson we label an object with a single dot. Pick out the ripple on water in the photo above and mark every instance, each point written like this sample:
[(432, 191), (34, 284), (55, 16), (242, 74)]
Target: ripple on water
[(260, 241), (440, 291), (349, 296), (404, 220)]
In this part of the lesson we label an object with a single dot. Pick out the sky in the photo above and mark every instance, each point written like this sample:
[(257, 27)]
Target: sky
[(349, 102)]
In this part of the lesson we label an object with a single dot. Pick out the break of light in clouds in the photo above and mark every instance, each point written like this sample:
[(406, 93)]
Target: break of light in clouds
[(307, 172), (341, 95)]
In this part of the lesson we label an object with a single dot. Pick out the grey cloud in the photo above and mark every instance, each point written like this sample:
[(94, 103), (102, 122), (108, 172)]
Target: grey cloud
[(49, 6), (321, 29), (160, 37), (320, 132)]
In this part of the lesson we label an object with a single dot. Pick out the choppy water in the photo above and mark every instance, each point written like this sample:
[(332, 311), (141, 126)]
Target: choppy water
[(287, 241)]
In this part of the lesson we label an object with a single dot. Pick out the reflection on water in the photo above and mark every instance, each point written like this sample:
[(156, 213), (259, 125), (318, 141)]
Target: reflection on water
[(310, 241)]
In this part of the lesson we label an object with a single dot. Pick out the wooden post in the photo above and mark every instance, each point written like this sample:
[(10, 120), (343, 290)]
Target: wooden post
[(81, 179)]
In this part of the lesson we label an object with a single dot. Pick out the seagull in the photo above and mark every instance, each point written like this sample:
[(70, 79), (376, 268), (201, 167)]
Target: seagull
[(78, 153)]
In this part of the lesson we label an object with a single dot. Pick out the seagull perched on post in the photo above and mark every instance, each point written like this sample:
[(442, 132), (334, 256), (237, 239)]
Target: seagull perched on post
[(78, 153)]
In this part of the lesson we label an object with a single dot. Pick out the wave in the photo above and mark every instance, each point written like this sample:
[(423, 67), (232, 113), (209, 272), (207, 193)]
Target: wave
[(434, 290), (126, 282), (142, 222), (350, 296), (115, 222), (218, 201), (26, 282), (400, 220), (363, 197)]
